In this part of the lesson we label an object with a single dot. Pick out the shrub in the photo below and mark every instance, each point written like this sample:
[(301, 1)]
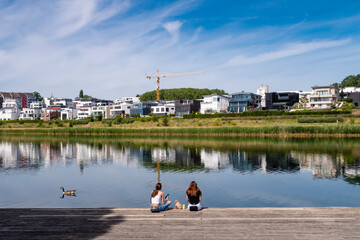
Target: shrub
[(349, 100), (100, 117), (268, 113), (81, 121), (320, 120), (71, 124), (166, 121), (352, 120)]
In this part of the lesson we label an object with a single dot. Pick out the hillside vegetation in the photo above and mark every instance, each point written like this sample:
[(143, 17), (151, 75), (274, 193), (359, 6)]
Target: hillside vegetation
[(180, 94), (350, 81)]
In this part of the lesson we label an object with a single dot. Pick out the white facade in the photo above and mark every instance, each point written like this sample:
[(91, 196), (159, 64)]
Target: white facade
[(350, 89), (9, 113), (38, 104), (84, 103), (165, 109), (49, 101), (68, 113), (127, 99), (262, 90), (214, 103), (103, 110), (84, 112), (11, 102), (30, 114)]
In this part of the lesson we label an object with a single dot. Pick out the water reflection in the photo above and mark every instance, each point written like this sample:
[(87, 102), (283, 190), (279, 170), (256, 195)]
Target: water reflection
[(323, 159)]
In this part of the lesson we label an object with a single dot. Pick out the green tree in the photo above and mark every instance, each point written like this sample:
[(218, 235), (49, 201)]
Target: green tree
[(100, 117), (166, 121), (349, 100), (342, 94), (180, 94), (81, 94), (37, 96)]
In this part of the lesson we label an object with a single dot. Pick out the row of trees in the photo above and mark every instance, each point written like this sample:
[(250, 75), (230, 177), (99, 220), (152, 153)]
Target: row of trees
[(180, 94), (349, 81)]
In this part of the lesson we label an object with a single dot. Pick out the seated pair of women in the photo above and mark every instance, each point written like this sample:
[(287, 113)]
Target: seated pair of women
[(193, 196)]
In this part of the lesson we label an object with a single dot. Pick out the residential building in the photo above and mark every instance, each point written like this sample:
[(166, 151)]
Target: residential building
[(63, 102), (9, 113), (350, 89), (12, 102), (262, 90), (323, 97), (84, 112), (68, 113), (37, 104), (49, 101), (281, 100), (103, 110), (142, 109), (163, 109), (50, 113), (128, 99), (355, 97), (24, 98), (84, 102), (183, 107), (243, 101), (30, 114), (214, 103)]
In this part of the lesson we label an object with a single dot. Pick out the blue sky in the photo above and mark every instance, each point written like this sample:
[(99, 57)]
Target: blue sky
[(106, 47)]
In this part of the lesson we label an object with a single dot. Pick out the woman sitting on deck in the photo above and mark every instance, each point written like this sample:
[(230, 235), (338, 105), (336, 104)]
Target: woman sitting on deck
[(193, 196), (157, 198)]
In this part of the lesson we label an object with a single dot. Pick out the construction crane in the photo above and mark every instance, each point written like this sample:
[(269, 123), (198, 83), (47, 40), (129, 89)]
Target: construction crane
[(158, 76)]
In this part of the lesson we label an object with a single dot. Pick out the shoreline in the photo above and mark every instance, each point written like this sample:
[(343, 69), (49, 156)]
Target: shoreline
[(338, 131)]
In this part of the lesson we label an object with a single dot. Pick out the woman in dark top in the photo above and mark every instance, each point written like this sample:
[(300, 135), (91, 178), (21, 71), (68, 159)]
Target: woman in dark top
[(193, 195)]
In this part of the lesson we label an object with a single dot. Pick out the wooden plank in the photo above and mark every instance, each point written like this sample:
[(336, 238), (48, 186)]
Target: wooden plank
[(211, 223)]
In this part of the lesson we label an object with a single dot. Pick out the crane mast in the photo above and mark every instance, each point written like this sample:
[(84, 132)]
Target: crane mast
[(158, 76)]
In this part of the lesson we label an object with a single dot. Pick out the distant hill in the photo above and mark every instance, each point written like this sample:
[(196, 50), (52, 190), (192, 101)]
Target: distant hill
[(180, 94), (349, 81)]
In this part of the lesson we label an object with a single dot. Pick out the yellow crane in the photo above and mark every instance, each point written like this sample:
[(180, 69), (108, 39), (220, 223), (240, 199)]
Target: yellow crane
[(158, 76)]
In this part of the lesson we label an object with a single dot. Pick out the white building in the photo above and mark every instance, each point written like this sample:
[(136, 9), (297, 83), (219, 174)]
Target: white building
[(84, 112), (128, 99), (9, 113), (68, 113), (214, 103), (37, 104), (11, 102), (164, 109), (30, 114), (49, 101), (350, 89), (323, 97), (122, 106), (262, 90), (63, 102), (79, 103), (103, 110)]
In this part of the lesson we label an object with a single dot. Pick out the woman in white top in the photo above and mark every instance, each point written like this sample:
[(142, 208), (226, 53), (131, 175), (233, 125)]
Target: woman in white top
[(158, 200)]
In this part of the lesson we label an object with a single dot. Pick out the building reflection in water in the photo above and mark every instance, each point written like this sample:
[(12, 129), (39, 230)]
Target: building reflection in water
[(32, 155)]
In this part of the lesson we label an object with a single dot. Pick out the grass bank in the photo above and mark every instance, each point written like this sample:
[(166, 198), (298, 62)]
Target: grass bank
[(325, 130)]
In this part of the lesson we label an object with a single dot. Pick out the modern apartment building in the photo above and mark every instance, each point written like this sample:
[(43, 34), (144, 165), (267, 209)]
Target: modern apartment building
[(183, 107), (50, 113), (163, 109), (214, 103), (281, 100), (142, 109), (243, 101), (30, 114), (323, 97)]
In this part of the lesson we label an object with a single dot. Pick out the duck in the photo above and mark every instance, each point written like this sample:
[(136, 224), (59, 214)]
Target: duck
[(68, 192)]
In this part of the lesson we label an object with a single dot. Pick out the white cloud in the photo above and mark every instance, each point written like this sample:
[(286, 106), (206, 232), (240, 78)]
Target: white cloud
[(288, 51), (173, 28)]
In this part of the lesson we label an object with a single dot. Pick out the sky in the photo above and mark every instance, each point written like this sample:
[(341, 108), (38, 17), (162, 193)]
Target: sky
[(108, 47)]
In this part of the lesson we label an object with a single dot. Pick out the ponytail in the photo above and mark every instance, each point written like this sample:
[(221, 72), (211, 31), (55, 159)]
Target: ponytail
[(156, 190)]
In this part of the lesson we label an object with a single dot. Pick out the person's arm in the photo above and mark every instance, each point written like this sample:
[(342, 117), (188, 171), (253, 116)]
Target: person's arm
[(200, 196), (162, 198), (187, 199)]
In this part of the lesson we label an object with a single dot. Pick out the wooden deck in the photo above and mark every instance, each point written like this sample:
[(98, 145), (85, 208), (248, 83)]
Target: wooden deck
[(212, 223)]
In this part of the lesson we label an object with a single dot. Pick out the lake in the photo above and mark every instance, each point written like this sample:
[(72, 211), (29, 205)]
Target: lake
[(231, 172)]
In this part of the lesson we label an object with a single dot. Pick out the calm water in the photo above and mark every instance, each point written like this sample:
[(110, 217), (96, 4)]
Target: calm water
[(232, 172)]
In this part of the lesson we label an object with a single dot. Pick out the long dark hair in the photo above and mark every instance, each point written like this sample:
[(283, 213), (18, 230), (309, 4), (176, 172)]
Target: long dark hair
[(193, 189), (156, 190)]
